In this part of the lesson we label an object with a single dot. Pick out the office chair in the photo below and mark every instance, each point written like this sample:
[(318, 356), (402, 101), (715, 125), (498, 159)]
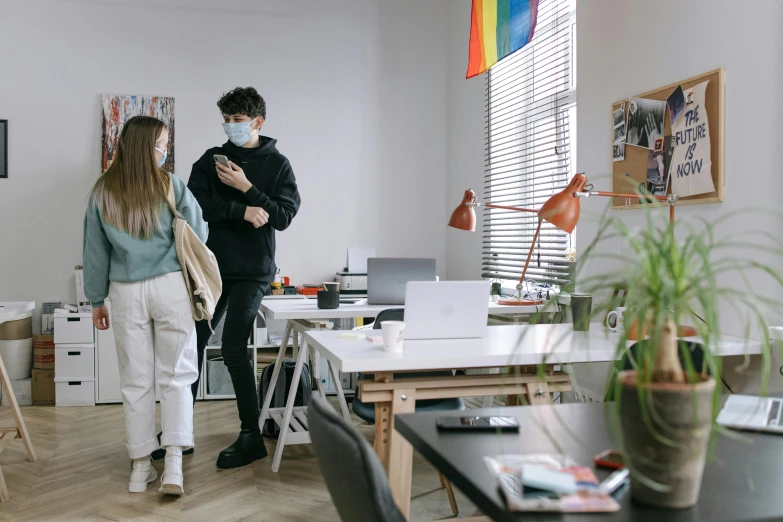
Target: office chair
[(695, 349), (353, 474), (366, 411)]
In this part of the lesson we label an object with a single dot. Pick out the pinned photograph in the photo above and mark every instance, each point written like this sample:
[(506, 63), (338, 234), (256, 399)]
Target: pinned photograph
[(619, 134), (645, 122), (658, 144), (618, 152), (676, 103), (618, 117), (658, 166)]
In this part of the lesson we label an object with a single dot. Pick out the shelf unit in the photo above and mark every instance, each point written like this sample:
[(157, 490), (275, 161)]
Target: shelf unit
[(254, 346)]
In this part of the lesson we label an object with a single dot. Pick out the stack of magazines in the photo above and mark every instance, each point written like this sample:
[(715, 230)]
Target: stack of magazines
[(578, 490)]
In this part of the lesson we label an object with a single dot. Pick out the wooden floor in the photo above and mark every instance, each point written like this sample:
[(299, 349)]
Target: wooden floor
[(83, 468)]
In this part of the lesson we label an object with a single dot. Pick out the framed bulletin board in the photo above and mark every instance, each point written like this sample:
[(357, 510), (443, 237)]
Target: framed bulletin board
[(631, 172)]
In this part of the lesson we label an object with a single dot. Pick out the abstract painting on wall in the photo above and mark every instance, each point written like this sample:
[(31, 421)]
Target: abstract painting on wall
[(119, 109)]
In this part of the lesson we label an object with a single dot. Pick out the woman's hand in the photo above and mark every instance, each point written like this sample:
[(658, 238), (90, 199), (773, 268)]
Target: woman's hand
[(100, 317)]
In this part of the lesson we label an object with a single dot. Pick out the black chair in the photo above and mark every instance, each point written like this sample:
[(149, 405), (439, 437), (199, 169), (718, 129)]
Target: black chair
[(353, 474), (366, 411), (696, 351)]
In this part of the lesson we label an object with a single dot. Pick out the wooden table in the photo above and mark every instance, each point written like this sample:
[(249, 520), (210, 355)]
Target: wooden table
[(522, 347), (742, 481)]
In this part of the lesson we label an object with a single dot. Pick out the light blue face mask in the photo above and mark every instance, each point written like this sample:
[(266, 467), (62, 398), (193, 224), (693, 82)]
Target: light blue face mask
[(239, 133), (162, 159)]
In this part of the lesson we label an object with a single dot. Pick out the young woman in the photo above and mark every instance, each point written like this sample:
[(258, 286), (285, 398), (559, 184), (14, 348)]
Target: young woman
[(130, 257)]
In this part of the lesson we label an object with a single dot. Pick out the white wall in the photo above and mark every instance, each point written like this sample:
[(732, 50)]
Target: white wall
[(355, 93), (625, 48), (466, 116)]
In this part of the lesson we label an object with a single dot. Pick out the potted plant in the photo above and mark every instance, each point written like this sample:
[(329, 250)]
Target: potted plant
[(675, 276)]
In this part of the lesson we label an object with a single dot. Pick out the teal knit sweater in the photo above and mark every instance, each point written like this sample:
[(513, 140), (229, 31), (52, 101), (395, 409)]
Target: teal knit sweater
[(111, 255)]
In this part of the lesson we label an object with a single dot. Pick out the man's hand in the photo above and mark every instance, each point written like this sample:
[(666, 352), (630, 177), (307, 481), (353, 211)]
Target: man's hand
[(233, 177), (100, 317), (256, 216)]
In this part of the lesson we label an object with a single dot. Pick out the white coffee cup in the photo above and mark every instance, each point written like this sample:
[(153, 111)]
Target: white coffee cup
[(393, 336), (619, 319)]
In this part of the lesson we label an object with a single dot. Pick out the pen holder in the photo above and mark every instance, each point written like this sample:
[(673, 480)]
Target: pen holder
[(328, 299)]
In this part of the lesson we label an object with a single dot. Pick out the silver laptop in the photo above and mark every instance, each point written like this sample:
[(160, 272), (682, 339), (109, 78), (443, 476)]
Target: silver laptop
[(387, 277), (446, 310), (747, 412)]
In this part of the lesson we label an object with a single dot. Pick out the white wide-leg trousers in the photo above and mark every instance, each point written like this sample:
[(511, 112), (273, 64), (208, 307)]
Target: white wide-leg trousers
[(156, 341)]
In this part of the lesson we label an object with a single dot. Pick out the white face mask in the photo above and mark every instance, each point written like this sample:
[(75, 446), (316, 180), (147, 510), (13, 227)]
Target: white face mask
[(162, 159), (239, 133)]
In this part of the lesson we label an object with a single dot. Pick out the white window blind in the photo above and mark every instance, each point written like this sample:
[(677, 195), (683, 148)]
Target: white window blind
[(530, 139)]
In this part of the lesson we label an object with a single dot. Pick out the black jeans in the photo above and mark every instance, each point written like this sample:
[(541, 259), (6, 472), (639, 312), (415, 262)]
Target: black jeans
[(239, 302)]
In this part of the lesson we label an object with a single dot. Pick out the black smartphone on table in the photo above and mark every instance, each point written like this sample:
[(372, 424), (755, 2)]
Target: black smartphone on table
[(487, 423)]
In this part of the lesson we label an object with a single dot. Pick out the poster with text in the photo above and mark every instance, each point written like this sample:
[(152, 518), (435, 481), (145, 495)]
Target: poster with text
[(691, 166)]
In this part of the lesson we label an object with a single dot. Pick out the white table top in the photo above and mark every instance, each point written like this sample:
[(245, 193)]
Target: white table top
[(503, 346), (308, 309)]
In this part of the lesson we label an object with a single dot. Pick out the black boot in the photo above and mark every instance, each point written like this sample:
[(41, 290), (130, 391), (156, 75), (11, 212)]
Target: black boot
[(160, 453), (248, 447)]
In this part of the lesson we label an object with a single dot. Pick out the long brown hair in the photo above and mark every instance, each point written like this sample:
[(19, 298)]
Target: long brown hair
[(132, 188)]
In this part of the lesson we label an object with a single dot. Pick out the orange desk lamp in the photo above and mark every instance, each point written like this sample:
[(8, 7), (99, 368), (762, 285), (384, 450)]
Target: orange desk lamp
[(561, 210)]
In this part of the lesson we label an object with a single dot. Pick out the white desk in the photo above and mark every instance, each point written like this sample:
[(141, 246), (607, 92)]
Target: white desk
[(303, 316), (307, 309), (522, 347), (513, 345)]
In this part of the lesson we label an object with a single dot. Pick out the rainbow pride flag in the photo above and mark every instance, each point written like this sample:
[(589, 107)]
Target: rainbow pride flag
[(497, 29)]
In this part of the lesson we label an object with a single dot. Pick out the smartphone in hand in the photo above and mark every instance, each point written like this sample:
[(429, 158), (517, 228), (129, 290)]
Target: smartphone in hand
[(223, 160)]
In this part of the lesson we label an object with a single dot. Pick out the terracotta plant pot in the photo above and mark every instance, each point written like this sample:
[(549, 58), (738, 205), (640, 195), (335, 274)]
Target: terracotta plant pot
[(681, 414)]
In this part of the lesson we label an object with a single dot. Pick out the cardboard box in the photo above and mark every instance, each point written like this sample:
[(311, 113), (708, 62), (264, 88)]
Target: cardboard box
[(47, 317), (23, 390), (43, 352), (16, 330), (43, 388)]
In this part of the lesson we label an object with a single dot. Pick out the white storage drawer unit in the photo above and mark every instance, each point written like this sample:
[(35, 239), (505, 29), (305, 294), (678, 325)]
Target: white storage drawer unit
[(74, 361), (73, 329), (74, 392)]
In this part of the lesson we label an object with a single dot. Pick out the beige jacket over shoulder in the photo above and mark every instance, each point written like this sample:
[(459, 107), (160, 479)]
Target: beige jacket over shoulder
[(199, 266)]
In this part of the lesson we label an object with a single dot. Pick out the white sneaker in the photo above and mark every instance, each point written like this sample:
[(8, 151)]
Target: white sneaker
[(142, 474), (172, 481)]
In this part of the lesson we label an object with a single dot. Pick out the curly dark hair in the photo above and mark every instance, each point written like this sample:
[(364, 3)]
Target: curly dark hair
[(242, 100)]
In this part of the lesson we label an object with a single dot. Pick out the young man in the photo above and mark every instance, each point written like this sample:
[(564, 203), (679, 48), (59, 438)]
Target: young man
[(244, 205)]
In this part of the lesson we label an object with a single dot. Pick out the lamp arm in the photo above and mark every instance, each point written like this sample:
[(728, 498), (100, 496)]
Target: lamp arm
[(488, 205), (521, 284), (671, 199)]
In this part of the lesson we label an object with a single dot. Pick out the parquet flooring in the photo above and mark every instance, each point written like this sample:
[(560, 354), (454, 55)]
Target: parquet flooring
[(82, 472)]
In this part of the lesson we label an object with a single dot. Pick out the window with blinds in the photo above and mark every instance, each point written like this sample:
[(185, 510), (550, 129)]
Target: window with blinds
[(530, 145)]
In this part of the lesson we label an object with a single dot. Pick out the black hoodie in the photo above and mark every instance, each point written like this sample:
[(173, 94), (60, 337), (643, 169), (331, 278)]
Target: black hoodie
[(242, 251)]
